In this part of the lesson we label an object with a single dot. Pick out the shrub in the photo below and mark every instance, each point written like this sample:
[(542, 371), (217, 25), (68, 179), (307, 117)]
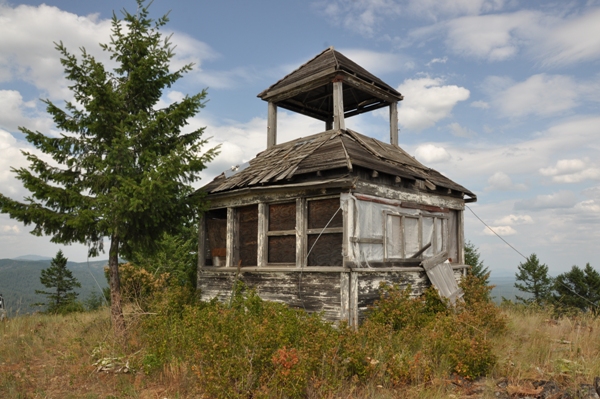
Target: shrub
[(247, 347)]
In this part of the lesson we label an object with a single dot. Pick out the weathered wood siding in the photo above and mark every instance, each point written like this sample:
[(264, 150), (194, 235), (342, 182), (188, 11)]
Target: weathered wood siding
[(340, 295), (369, 283), (314, 292)]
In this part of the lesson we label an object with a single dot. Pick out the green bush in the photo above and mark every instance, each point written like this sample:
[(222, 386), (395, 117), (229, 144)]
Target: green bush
[(248, 347)]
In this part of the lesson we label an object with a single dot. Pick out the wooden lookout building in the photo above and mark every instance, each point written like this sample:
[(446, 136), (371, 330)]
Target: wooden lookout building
[(319, 222)]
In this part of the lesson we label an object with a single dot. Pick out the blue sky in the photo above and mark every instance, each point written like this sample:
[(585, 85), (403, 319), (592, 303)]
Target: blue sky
[(501, 96)]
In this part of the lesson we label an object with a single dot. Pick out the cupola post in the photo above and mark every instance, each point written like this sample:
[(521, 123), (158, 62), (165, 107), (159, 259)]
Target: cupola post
[(338, 105), (272, 125), (394, 123)]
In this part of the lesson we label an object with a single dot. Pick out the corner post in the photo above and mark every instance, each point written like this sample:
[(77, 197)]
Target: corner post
[(394, 123), (338, 105), (272, 125)]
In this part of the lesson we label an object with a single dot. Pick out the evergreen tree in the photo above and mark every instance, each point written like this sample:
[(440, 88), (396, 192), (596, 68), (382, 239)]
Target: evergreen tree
[(61, 282), (472, 258), (535, 280), (578, 289), (124, 166)]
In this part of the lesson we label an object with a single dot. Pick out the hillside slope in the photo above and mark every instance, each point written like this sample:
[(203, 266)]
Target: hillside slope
[(20, 278)]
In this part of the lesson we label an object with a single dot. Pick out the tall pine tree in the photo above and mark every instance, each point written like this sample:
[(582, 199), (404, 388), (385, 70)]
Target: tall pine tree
[(578, 288), (533, 278), (473, 259), (60, 280), (122, 168)]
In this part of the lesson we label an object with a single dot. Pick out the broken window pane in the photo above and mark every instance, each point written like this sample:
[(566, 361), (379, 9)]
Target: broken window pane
[(216, 232)]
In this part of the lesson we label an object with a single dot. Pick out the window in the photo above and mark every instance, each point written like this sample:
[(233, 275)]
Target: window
[(248, 234), (216, 234), (281, 233), (325, 232), (407, 235)]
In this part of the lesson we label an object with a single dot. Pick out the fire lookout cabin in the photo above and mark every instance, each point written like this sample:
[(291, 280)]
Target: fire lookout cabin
[(319, 222)]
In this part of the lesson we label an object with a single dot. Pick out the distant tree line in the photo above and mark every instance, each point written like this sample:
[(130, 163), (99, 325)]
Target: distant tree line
[(578, 288)]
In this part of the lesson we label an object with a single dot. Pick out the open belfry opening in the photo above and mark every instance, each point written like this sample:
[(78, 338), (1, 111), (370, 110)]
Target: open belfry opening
[(320, 221)]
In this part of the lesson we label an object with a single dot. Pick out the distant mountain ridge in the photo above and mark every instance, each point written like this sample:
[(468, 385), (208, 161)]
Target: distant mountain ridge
[(19, 278), (32, 257)]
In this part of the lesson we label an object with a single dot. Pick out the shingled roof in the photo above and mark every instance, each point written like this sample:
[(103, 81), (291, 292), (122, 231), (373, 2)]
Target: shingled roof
[(326, 151), (308, 89)]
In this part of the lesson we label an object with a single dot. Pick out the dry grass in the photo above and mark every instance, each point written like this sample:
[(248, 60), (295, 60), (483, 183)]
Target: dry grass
[(538, 347), (45, 356)]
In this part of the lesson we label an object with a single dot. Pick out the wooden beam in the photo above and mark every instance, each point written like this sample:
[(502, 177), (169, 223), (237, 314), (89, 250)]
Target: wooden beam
[(272, 125), (301, 241), (303, 85), (201, 245), (261, 253), (373, 90), (461, 237), (344, 296), (338, 106), (231, 238), (430, 185), (353, 301), (394, 123), (430, 263)]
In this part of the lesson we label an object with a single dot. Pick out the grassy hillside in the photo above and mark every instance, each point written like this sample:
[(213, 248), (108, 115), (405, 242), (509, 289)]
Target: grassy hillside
[(74, 356), (20, 278)]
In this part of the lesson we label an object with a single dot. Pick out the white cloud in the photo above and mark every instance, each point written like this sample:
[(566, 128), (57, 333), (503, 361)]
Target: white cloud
[(588, 206), (10, 156), (500, 230), (241, 141), (571, 41), (460, 131), (27, 50), (480, 104), (511, 220), (571, 171), (429, 153), (437, 61), (14, 112), (427, 101), (27, 53), (500, 181), (540, 94), (9, 230), (363, 16), (494, 37), (561, 199)]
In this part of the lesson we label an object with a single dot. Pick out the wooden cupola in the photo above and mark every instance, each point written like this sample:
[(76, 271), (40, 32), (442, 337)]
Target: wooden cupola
[(330, 87)]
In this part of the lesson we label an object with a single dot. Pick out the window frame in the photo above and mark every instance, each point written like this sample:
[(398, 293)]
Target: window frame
[(421, 215)]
